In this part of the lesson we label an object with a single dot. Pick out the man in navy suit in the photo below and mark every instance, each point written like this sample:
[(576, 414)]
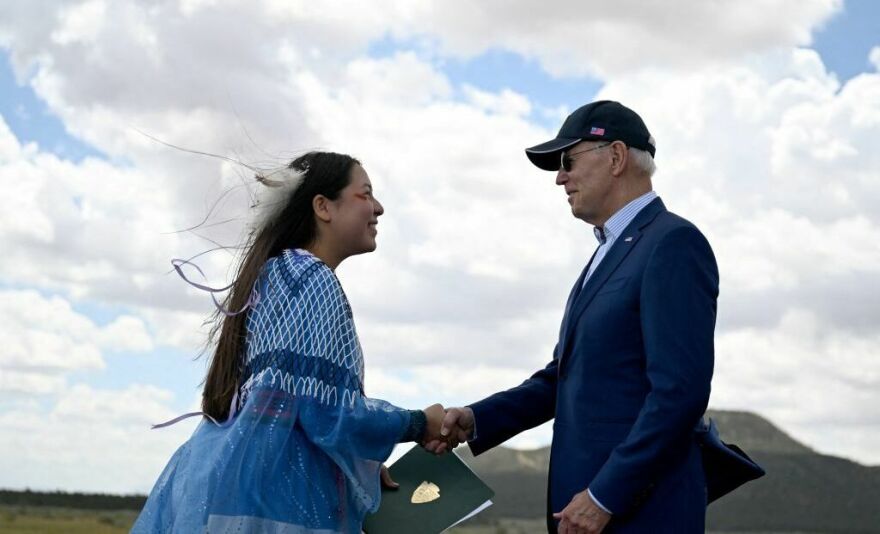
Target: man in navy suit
[(631, 372)]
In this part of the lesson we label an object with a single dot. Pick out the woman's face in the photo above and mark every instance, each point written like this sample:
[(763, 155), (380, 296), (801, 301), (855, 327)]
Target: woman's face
[(355, 214)]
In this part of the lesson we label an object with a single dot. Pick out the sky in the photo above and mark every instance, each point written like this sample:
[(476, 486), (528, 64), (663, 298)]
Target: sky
[(766, 115)]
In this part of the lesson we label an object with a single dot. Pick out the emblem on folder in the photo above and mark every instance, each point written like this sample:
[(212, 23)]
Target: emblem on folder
[(426, 492)]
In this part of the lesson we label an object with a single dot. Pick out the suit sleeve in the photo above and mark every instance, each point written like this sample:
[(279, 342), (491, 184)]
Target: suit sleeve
[(507, 413), (678, 307)]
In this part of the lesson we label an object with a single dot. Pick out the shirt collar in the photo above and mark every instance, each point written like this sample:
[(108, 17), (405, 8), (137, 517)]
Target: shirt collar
[(615, 225)]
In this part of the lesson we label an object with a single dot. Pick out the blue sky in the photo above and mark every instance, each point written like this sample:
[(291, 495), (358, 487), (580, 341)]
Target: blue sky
[(457, 218), (847, 38), (32, 121)]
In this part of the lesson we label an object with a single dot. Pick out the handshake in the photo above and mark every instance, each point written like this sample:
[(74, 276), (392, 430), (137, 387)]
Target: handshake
[(446, 428)]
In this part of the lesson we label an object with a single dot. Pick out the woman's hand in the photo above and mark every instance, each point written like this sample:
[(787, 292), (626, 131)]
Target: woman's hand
[(434, 415), (385, 477)]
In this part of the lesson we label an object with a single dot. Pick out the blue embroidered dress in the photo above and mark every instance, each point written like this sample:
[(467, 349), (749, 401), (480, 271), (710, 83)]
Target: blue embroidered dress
[(303, 450)]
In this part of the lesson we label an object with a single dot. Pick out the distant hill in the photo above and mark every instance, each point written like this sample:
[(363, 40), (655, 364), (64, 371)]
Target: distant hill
[(803, 491), (754, 433), (80, 501)]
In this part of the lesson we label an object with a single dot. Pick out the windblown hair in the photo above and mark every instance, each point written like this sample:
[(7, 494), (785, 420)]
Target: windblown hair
[(292, 225)]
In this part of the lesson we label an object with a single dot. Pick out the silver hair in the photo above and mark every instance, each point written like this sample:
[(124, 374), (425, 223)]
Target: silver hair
[(643, 161)]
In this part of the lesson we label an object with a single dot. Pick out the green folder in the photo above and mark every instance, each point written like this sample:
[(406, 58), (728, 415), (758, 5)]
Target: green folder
[(461, 495)]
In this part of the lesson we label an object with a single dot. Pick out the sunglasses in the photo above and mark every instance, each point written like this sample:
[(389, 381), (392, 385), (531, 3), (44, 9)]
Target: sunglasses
[(565, 160)]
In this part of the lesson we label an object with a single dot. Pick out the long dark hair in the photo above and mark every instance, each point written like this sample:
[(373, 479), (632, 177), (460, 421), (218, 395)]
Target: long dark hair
[(326, 173)]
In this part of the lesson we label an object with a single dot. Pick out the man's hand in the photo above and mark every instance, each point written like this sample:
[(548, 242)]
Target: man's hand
[(386, 479), (458, 427), (582, 516)]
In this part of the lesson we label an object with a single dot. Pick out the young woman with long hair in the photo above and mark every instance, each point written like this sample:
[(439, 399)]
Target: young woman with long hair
[(289, 442)]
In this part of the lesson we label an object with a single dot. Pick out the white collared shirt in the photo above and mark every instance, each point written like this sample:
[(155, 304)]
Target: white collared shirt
[(614, 226)]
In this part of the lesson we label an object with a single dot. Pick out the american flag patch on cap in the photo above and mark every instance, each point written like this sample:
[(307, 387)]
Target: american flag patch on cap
[(597, 131)]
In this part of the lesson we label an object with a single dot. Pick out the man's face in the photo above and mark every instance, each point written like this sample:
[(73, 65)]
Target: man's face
[(589, 183)]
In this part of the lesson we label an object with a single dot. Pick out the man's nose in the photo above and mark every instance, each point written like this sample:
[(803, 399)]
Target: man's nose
[(561, 177)]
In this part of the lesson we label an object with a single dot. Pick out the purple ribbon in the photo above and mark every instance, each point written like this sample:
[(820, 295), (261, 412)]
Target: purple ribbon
[(233, 410), (253, 298)]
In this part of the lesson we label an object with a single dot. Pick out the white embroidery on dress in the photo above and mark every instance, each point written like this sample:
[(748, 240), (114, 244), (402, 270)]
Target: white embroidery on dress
[(298, 386), (325, 330)]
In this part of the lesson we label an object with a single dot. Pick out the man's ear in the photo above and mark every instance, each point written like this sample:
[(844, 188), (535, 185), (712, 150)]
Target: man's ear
[(619, 155), (321, 206)]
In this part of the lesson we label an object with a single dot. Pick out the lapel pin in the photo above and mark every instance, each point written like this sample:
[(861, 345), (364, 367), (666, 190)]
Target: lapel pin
[(628, 239)]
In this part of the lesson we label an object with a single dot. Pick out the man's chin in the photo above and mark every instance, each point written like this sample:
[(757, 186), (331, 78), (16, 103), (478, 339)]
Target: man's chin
[(582, 216)]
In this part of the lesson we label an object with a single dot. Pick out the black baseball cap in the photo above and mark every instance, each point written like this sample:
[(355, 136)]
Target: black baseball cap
[(603, 120)]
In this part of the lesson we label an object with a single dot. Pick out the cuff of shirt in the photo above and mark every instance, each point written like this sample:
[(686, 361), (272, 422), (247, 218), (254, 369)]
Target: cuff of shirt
[(415, 431), (599, 504)]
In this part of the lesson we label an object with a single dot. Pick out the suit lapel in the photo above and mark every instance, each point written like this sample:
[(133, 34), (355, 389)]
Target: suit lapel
[(612, 260), (572, 297)]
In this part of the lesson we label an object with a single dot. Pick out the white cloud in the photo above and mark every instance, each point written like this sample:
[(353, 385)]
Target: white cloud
[(452, 384), (181, 329), (744, 153), (817, 382), (44, 333), (608, 39), (13, 381), (758, 144), (139, 405), (9, 146), (80, 23), (506, 103), (874, 57), (126, 333), (402, 79), (102, 231), (167, 66), (91, 440), (44, 338)]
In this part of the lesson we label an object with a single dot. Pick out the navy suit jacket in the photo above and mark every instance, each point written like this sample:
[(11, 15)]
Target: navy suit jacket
[(629, 381)]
